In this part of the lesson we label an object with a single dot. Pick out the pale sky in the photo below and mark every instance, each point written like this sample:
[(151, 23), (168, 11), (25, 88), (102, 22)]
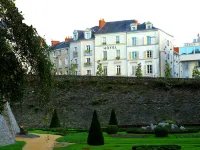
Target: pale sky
[(57, 19)]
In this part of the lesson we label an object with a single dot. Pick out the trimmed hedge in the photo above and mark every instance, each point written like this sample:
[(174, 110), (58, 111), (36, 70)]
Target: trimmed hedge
[(161, 132), (156, 147), (112, 129)]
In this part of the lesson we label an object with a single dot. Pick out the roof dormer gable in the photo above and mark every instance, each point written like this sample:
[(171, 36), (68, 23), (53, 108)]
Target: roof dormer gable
[(75, 35), (149, 25), (87, 33), (133, 26)]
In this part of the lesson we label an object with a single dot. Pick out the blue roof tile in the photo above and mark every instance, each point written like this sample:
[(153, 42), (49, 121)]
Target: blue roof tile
[(61, 45)]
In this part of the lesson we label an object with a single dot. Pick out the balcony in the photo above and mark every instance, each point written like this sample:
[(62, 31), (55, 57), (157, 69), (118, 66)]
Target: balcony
[(105, 58), (87, 64), (103, 43), (88, 53), (118, 58), (75, 54)]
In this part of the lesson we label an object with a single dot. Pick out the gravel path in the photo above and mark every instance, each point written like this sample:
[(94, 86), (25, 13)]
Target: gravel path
[(44, 142)]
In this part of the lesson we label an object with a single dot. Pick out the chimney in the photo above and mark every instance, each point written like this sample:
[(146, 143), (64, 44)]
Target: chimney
[(136, 22), (176, 49), (54, 43), (68, 38), (101, 23)]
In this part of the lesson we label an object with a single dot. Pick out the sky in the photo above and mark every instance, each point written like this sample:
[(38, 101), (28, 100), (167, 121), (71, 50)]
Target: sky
[(56, 19)]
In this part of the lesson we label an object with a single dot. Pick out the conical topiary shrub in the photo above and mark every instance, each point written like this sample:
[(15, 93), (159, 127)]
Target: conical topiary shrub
[(95, 136), (55, 121), (113, 118)]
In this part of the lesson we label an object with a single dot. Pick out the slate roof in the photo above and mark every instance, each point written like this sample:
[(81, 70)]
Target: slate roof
[(61, 45), (120, 26)]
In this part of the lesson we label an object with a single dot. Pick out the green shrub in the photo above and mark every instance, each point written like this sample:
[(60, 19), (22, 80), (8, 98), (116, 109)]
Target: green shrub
[(112, 129), (161, 132), (170, 121), (156, 147), (113, 118), (55, 121), (95, 136)]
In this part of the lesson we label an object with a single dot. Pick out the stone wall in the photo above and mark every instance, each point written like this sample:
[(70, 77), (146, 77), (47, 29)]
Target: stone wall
[(136, 101)]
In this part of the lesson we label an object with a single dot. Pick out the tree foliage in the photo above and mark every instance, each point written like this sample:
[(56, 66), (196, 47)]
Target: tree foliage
[(196, 72), (95, 136), (99, 69), (72, 68), (139, 70), (23, 55), (113, 118), (168, 70)]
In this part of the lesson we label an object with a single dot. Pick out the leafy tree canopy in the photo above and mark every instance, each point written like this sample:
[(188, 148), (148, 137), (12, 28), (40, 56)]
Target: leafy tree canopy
[(23, 55)]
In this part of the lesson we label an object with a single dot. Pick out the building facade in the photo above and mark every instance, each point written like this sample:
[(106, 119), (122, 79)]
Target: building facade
[(122, 45), (82, 51), (60, 56), (190, 57)]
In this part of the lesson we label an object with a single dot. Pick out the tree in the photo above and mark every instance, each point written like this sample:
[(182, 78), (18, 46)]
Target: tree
[(139, 71), (113, 118), (55, 123), (95, 136), (99, 69), (195, 72), (24, 57), (168, 70), (72, 68)]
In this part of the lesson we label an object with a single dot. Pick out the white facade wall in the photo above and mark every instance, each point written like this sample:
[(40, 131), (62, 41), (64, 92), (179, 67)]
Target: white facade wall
[(82, 56), (166, 51), (141, 49), (111, 48)]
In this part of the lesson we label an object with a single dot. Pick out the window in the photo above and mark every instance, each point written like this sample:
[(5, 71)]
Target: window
[(89, 72), (88, 60), (66, 61), (88, 47), (118, 70), (149, 54), (87, 35), (60, 72), (168, 56), (66, 72), (149, 69), (104, 40), (194, 40), (105, 70), (75, 61), (133, 55), (149, 27), (148, 40), (134, 41), (134, 70), (167, 42), (76, 73), (117, 53), (197, 49), (75, 36), (198, 64), (75, 49), (117, 39), (54, 62), (105, 54), (133, 28)]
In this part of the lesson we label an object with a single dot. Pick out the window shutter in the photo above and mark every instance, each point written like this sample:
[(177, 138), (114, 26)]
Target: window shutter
[(145, 54), (145, 69), (137, 55), (130, 57), (145, 40), (129, 42)]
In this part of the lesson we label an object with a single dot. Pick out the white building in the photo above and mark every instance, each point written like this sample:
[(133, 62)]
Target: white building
[(82, 51), (190, 57), (122, 45)]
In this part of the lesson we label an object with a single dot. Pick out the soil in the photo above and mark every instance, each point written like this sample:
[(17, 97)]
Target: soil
[(43, 142)]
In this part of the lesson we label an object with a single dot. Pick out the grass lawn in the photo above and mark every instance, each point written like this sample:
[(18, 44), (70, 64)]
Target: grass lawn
[(116, 143), (17, 146)]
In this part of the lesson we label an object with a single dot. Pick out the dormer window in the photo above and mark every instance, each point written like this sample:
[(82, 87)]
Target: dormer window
[(149, 25), (75, 35), (87, 33), (133, 26)]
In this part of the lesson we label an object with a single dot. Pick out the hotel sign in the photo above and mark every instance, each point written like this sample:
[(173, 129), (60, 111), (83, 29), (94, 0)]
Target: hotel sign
[(109, 47), (191, 44)]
